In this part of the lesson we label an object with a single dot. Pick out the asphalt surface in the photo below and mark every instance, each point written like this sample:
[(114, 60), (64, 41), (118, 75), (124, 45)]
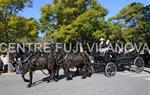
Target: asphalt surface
[(124, 83)]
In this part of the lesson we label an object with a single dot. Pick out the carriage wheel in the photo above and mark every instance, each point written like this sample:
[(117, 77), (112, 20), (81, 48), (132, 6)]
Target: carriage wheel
[(138, 64), (110, 69)]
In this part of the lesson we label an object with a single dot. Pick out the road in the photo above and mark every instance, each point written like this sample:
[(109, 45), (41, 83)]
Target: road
[(124, 83)]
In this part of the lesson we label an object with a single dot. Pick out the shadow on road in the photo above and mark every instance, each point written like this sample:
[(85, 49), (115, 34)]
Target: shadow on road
[(60, 77), (46, 80), (146, 71)]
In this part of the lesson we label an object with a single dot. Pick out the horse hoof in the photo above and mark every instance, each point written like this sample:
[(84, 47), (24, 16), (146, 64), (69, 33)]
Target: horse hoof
[(89, 75), (48, 81), (68, 78), (56, 80), (29, 85), (83, 77), (27, 80)]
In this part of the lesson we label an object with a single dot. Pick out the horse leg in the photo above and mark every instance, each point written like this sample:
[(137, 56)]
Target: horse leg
[(67, 73), (84, 72), (49, 76), (56, 74), (70, 75), (77, 72), (23, 76), (90, 70), (31, 77), (52, 75)]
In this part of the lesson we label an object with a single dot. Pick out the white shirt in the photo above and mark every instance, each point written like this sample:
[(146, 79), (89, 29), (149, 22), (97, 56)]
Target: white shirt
[(5, 59)]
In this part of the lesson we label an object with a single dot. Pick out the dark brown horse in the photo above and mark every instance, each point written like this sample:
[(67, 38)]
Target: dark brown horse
[(39, 62), (79, 60)]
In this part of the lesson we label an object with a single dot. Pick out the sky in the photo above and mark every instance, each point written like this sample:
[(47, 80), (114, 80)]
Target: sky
[(113, 6)]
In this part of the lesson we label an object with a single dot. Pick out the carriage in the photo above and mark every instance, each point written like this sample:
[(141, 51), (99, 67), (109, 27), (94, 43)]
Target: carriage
[(110, 62)]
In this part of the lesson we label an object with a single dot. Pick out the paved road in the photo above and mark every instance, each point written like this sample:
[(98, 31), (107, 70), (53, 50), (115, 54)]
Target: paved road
[(124, 83)]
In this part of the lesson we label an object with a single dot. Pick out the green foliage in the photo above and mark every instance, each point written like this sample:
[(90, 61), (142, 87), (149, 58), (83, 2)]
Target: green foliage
[(135, 18), (13, 28), (73, 20), (98, 35), (14, 6), (116, 34)]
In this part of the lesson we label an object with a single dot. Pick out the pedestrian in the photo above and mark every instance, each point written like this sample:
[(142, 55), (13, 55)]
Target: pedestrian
[(7, 65), (13, 62), (1, 66)]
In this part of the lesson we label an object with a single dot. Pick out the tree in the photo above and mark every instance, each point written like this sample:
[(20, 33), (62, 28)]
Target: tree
[(116, 33), (136, 22), (144, 25), (13, 28), (73, 20)]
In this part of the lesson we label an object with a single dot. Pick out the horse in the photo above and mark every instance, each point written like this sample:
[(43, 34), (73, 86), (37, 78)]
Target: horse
[(38, 62), (78, 60)]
